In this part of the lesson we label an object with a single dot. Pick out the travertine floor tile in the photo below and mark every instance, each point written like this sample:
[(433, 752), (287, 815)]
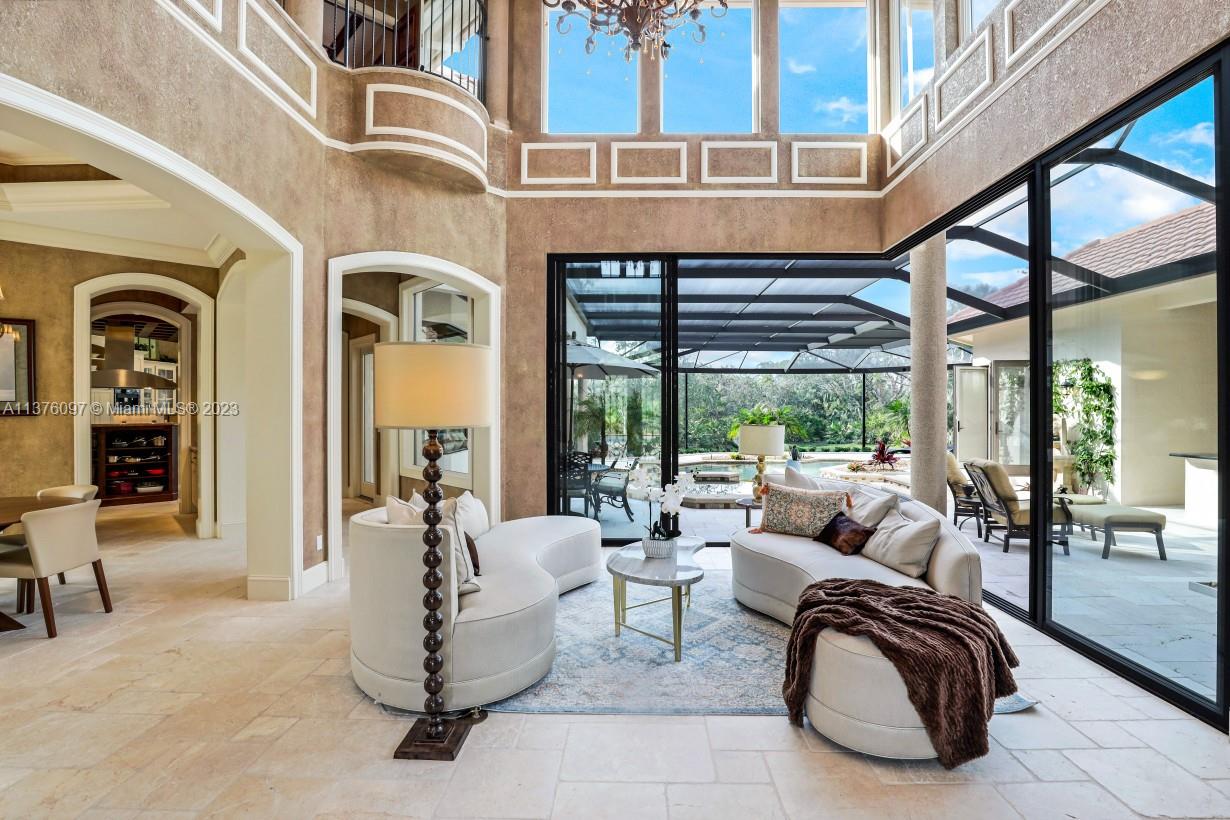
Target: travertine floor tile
[(1050, 765), (70, 740), (1037, 728), (740, 767), (501, 783), (723, 801), (761, 734), (633, 751), (1151, 784), (1061, 801), (1201, 749), (609, 801)]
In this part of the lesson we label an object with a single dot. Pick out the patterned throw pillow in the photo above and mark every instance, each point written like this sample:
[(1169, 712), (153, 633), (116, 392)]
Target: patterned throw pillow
[(800, 512)]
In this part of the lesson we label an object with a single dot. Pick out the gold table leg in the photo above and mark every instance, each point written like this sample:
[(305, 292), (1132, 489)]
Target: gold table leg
[(677, 618)]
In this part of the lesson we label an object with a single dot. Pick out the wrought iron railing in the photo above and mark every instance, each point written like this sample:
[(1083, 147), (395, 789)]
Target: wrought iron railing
[(442, 37)]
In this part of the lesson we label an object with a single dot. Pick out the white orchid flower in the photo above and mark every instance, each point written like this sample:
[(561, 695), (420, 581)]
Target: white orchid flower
[(672, 501), (640, 478), (655, 494)]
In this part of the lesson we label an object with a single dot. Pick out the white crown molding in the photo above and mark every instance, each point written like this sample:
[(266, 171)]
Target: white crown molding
[(96, 243), (212, 16), (735, 145), (1012, 52), (591, 147), (988, 77), (92, 195), (219, 250), (307, 103), (371, 129), (858, 179), (618, 179)]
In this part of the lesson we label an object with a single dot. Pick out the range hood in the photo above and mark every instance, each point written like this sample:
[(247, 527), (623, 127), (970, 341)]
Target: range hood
[(117, 366)]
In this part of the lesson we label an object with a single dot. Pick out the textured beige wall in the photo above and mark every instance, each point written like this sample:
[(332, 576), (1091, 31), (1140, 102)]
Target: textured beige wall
[(38, 284)]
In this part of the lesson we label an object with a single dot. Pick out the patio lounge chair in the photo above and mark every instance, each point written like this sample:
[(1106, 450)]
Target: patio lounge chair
[(611, 489), (965, 503), (1112, 518), (1003, 509)]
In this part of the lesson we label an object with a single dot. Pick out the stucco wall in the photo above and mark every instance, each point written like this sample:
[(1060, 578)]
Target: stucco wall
[(38, 284)]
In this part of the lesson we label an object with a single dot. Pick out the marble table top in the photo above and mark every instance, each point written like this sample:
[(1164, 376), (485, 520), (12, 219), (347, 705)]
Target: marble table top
[(631, 564)]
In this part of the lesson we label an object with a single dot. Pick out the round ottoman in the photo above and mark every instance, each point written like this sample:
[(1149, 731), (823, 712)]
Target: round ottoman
[(857, 699)]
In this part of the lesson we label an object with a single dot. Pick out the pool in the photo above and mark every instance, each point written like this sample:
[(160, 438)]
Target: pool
[(747, 469)]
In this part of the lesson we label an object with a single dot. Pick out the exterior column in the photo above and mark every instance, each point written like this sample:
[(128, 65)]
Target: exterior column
[(947, 29), (309, 15), (928, 373), (497, 61), (768, 51), (880, 65), (650, 93)]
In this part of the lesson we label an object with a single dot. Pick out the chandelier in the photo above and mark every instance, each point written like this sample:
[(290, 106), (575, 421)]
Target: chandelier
[(644, 23)]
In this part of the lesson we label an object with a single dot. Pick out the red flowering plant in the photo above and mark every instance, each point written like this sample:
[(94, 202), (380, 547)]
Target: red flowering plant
[(881, 457)]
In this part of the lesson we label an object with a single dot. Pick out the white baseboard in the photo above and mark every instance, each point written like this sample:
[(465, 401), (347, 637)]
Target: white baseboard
[(316, 576), (269, 588)]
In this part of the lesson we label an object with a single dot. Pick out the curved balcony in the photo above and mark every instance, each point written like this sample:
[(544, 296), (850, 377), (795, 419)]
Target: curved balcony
[(423, 123)]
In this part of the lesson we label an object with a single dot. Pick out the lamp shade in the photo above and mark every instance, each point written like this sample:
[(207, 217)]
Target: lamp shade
[(762, 439), (433, 386)]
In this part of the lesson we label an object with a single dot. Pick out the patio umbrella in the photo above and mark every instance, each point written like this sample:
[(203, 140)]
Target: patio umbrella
[(593, 363)]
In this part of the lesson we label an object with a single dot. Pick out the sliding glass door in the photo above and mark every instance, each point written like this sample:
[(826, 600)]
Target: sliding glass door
[(611, 411), (1133, 315)]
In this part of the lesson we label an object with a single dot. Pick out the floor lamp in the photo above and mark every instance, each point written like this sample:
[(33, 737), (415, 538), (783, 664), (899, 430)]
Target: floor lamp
[(432, 386)]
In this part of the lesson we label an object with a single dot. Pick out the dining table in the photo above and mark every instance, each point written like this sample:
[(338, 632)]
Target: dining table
[(12, 508)]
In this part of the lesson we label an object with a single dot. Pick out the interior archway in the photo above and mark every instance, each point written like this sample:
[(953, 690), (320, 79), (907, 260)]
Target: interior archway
[(270, 460), (486, 296)]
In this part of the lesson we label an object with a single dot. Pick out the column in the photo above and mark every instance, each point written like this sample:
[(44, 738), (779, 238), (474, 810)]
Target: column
[(928, 373), (881, 65), (497, 61), (768, 50), (651, 93), (309, 15), (947, 29)]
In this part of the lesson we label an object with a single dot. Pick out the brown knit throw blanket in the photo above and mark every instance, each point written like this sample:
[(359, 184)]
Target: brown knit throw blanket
[(954, 660)]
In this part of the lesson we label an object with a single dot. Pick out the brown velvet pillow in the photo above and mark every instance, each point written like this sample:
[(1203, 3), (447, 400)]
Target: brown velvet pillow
[(845, 535), (473, 548)]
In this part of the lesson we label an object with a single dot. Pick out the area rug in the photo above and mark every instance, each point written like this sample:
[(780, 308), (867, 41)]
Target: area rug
[(733, 658)]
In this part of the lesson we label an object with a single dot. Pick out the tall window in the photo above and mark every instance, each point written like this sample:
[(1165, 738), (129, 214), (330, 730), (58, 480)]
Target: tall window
[(708, 87), (973, 12), (587, 93), (823, 90), (914, 30)]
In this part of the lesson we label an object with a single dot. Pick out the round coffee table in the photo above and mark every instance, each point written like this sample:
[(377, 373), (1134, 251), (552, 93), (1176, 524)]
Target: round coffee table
[(678, 573)]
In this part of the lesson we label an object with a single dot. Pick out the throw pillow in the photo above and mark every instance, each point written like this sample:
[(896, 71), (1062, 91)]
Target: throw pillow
[(472, 514), (796, 478), (800, 512), (871, 507), (472, 548), (462, 566), (903, 545), (845, 534), (404, 513)]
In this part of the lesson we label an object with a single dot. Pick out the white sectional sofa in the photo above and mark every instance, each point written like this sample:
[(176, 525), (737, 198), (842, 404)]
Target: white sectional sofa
[(498, 640), (856, 697)]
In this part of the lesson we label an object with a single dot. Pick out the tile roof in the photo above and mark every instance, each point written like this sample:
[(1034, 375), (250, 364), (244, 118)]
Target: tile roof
[(1180, 235)]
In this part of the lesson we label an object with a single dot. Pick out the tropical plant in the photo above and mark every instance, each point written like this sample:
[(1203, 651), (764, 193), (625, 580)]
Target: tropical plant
[(881, 457), (587, 417), (1081, 391), (763, 414)]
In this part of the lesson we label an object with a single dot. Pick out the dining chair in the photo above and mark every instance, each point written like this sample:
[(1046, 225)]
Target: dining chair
[(57, 540), (16, 535)]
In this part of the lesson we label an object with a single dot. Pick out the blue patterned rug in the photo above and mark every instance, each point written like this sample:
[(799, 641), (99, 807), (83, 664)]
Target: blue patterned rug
[(733, 658)]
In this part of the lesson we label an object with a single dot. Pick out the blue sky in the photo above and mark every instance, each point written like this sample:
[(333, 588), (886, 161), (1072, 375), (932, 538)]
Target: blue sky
[(823, 90)]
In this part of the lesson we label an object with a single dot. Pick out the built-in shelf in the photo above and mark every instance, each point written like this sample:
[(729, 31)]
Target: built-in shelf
[(118, 481)]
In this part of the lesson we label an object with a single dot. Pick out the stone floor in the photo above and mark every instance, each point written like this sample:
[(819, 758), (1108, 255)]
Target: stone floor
[(189, 701)]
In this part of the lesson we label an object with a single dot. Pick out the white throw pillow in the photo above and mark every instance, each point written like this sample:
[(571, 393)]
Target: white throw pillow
[(870, 508), (795, 478), (472, 515), (903, 545), (405, 513), (462, 565)]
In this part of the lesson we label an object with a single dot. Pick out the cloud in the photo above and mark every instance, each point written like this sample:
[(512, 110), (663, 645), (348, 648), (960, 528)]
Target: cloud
[(842, 109), (996, 279), (795, 67), (1102, 201), (1199, 134)]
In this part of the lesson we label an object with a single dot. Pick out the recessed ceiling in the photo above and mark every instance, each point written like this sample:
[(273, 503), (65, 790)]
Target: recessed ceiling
[(104, 216)]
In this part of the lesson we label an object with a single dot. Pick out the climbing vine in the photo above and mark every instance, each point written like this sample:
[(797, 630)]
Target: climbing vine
[(1082, 392)]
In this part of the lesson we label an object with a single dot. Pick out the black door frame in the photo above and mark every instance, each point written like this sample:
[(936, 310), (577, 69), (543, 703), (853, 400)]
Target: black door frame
[(1033, 174)]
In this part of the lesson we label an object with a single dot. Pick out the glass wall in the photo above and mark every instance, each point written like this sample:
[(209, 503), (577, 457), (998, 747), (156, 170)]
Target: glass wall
[(823, 91), (1134, 383), (707, 87), (610, 391), (584, 93)]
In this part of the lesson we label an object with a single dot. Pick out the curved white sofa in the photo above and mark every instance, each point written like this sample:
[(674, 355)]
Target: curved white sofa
[(498, 640), (856, 697)]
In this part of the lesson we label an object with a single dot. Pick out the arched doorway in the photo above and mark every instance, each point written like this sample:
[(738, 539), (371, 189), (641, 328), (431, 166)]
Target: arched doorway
[(265, 462), (487, 307)]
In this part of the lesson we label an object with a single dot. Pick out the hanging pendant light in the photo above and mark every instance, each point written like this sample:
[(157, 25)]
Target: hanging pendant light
[(645, 24)]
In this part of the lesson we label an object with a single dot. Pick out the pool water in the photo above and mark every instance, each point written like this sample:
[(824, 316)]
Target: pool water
[(747, 469)]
